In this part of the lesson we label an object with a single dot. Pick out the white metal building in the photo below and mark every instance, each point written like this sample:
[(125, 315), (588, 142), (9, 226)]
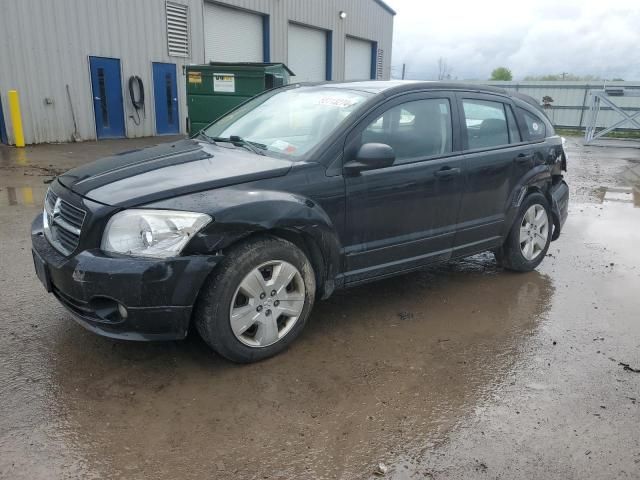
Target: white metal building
[(80, 58)]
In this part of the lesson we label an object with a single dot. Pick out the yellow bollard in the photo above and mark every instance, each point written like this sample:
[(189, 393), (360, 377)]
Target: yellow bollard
[(27, 195), (16, 118)]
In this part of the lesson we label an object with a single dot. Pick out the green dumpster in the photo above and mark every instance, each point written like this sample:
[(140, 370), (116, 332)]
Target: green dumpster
[(216, 88)]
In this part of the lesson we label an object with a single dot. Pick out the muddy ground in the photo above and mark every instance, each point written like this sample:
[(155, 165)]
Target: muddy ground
[(460, 371)]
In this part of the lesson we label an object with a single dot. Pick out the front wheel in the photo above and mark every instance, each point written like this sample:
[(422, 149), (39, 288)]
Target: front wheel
[(530, 236), (258, 301)]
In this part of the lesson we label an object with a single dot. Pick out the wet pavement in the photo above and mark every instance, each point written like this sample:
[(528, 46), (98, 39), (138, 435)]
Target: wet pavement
[(460, 371)]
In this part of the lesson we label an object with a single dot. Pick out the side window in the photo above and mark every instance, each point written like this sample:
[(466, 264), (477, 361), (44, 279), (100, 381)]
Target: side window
[(486, 123), (414, 130), (514, 132), (535, 126)]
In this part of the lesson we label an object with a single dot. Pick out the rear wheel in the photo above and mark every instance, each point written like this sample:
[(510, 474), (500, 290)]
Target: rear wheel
[(530, 236), (258, 301)]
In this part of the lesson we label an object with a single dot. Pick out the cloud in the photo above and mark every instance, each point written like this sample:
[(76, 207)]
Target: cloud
[(531, 38)]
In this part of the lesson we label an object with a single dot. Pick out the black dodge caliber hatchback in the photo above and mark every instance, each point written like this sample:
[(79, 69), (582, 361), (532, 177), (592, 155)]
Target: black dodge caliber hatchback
[(299, 191)]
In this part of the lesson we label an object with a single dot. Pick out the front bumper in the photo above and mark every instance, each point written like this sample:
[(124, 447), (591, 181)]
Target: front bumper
[(158, 294)]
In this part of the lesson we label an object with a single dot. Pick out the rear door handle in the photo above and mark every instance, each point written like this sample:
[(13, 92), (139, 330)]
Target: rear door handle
[(524, 158), (447, 172)]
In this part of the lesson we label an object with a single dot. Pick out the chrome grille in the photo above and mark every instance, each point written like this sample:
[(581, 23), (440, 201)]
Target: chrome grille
[(62, 223)]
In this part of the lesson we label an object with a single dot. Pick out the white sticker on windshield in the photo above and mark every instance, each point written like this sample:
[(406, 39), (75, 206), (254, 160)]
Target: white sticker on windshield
[(336, 102), (535, 126), (283, 146)]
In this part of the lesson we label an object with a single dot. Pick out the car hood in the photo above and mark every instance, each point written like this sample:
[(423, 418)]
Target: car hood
[(168, 170)]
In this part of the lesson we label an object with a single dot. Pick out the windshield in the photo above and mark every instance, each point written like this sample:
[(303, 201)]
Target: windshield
[(289, 122)]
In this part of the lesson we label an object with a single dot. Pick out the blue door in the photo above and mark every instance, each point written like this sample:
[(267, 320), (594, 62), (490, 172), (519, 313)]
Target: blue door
[(107, 96), (3, 130), (165, 91)]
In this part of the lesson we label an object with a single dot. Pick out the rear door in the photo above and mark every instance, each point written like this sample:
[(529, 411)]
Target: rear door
[(495, 154), (403, 216), (106, 84)]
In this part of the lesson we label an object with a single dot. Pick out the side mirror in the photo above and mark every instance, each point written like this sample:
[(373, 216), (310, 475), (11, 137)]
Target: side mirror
[(370, 156)]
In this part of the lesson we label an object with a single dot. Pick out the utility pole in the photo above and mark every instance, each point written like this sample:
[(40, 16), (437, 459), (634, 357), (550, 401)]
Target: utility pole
[(564, 74), (404, 67)]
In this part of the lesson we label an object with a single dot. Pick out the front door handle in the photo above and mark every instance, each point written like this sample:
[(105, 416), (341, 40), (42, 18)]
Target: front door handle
[(447, 172)]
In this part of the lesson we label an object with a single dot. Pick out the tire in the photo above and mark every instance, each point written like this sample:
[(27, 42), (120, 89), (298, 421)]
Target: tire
[(237, 312), (514, 254)]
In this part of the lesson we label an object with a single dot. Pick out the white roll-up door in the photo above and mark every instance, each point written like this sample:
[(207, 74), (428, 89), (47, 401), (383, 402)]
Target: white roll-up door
[(357, 59), (232, 35), (307, 53)]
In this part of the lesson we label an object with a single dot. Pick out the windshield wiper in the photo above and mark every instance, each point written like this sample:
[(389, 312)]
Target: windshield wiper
[(206, 137), (236, 140)]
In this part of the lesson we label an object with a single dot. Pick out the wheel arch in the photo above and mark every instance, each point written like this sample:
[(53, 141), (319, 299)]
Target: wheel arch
[(309, 246), (553, 206), (291, 217), (538, 180)]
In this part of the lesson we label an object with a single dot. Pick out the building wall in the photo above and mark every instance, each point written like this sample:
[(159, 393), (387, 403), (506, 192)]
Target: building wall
[(366, 19), (45, 45)]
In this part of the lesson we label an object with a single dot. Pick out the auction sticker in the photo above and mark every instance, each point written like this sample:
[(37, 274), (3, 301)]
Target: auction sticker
[(336, 102)]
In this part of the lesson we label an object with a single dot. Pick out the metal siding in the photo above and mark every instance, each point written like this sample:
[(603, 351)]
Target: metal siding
[(232, 35), (569, 98), (45, 45)]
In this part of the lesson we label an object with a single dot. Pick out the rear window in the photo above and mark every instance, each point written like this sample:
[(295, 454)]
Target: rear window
[(535, 126), (486, 123)]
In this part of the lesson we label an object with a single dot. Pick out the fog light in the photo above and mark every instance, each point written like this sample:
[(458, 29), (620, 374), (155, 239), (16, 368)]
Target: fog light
[(122, 311)]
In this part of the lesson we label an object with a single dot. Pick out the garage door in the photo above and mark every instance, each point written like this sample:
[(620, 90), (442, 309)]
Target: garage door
[(307, 53), (357, 59), (232, 35)]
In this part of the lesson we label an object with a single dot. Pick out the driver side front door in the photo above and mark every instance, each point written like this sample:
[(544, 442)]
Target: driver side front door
[(403, 216)]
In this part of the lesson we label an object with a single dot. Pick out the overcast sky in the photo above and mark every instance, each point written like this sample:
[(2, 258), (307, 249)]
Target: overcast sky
[(533, 37)]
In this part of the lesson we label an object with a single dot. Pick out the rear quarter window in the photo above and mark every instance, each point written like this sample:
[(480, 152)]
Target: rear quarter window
[(536, 128)]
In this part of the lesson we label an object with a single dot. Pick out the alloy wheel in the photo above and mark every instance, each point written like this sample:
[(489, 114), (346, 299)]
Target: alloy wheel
[(267, 304), (534, 232)]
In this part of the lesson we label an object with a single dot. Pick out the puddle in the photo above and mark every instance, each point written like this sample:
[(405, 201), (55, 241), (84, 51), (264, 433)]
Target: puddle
[(27, 196)]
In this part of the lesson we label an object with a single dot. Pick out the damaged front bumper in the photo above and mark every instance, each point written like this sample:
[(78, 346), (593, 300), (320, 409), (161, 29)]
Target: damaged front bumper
[(120, 296)]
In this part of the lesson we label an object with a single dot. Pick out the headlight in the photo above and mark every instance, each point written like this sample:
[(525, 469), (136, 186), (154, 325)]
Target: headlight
[(151, 233)]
